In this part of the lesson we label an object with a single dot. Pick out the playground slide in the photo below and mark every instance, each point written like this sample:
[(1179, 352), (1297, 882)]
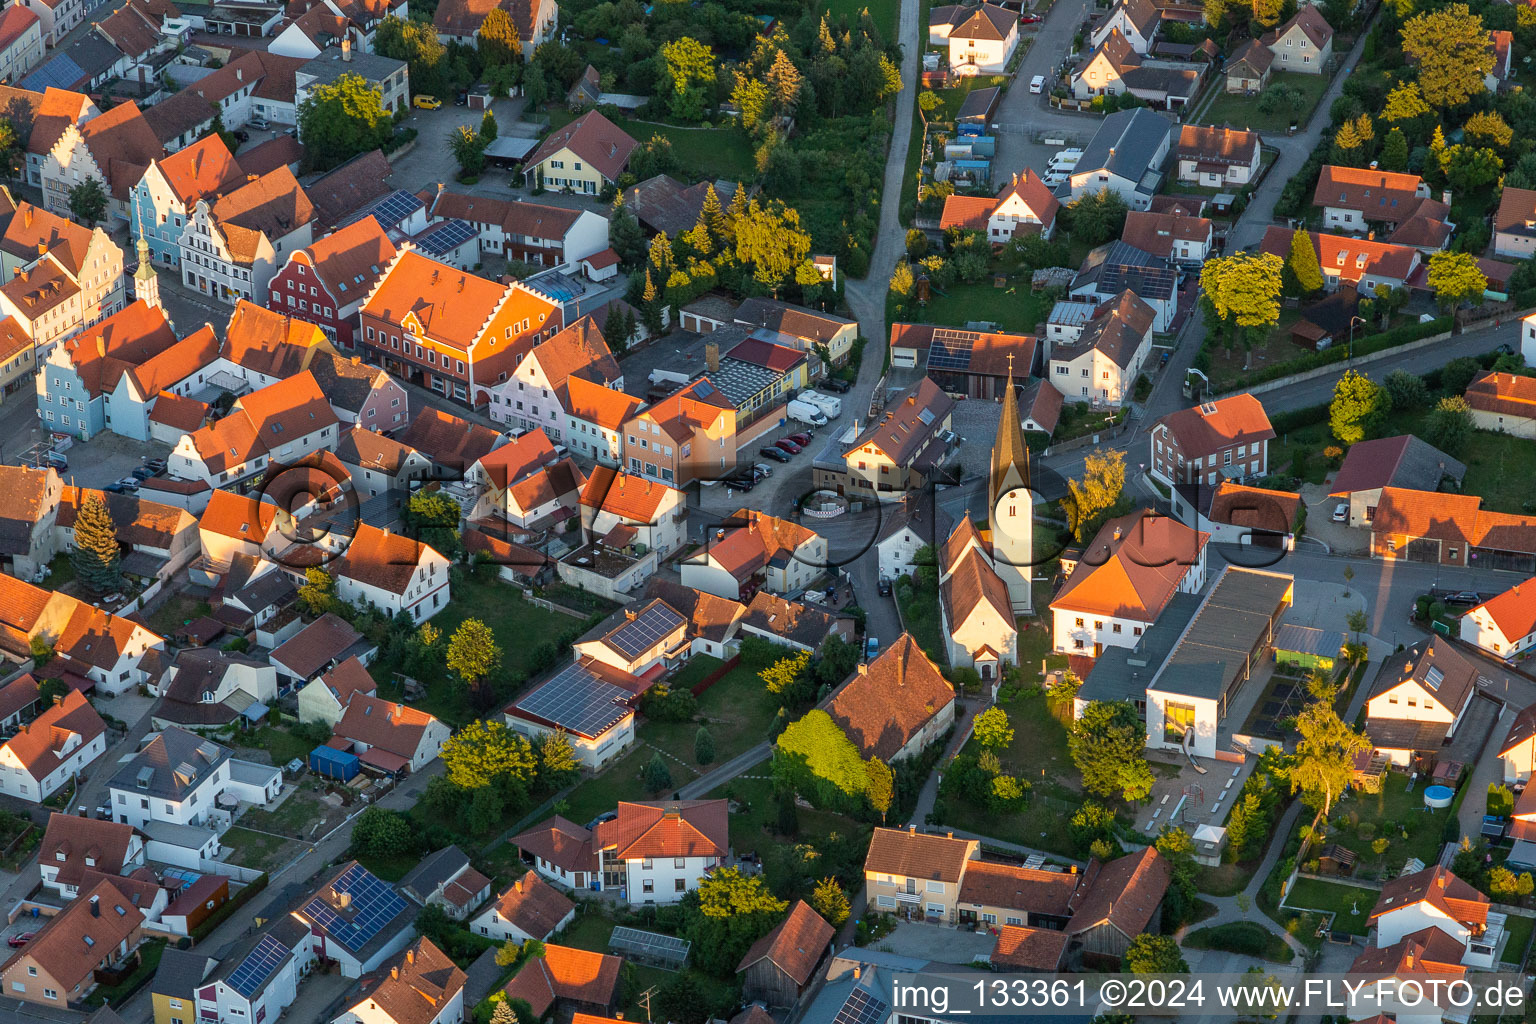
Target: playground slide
[(1189, 751)]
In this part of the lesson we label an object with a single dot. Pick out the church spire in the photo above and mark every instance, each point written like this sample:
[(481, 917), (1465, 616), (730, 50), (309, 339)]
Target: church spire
[(1010, 455), (146, 283)]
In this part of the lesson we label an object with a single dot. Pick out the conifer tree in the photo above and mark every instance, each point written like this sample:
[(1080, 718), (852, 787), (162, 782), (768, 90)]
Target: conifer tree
[(97, 558)]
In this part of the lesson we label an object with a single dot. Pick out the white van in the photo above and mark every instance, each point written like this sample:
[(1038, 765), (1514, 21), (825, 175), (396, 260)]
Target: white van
[(1037, 84)]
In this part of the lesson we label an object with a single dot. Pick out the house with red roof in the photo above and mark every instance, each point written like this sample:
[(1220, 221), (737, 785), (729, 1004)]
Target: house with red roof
[(21, 42), (52, 749), (779, 967), (981, 39), (530, 908), (234, 243), (77, 376), (661, 850), (896, 705), (1518, 751), (975, 611), (422, 985), (72, 846), (394, 738), (751, 549), (58, 966), (109, 649), (1436, 898), (77, 272), (573, 982), (1120, 900), (594, 418), (394, 572), (459, 21), (612, 499), (1503, 402), (547, 236), (525, 482), (1302, 44), (1123, 580), (164, 197), (327, 281), (1418, 699), (1362, 262), (280, 423), (583, 157), (325, 698), (1404, 461), (452, 331), (689, 435), (1212, 441), (537, 394), (114, 148), (1503, 625), (1451, 529), (1025, 206)]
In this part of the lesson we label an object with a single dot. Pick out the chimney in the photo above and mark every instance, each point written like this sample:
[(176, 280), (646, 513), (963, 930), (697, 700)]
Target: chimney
[(1440, 880), (343, 900), (30, 212), (1370, 236), (1072, 870), (1445, 197), (629, 613), (1117, 533), (42, 247), (855, 972), (410, 955), (357, 360), (239, 74), (1408, 959), (712, 356), (95, 906), (949, 835), (911, 830), (863, 669), (346, 48), (394, 973)]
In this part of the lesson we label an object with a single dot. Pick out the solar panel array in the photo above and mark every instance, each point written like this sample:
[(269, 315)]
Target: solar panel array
[(861, 1008), (395, 207), (644, 631), (666, 950), (258, 966), (372, 904), (950, 350), (445, 237), (61, 72), (577, 701)]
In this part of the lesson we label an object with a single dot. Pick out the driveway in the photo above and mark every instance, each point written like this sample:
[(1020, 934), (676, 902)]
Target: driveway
[(938, 944)]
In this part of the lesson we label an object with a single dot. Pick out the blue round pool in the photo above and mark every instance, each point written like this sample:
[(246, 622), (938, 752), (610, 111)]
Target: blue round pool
[(1438, 796)]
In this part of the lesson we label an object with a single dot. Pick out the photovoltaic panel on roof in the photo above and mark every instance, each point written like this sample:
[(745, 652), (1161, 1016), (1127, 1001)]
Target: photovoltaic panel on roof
[(445, 237), (950, 350), (370, 905), (703, 389), (645, 631), (258, 966), (861, 1008), (61, 72), (578, 701), (395, 207)]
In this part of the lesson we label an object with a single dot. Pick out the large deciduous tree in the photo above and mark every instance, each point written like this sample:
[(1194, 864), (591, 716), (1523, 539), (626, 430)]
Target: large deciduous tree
[(1303, 262), (342, 119), (1358, 408), (497, 39), (1108, 745), (1456, 278), (1325, 753), (1450, 46), (726, 914), (1090, 499), (472, 651)]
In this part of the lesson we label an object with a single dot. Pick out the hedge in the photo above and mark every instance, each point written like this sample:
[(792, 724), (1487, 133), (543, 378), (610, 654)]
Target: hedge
[(1339, 353)]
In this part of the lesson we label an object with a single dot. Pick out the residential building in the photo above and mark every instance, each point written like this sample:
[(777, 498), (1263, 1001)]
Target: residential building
[(109, 650), (446, 880), (805, 328), (1248, 70), (1024, 206), (981, 39), (656, 514), (752, 549), (594, 420), (1354, 198), (1502, 42), (391, 737), (1503, 625), (392, 571), (689, 435), (29, 509), (234, 243), (173, 989), (1362, 262), (1174, 237), (531, 908), (320, 648), (895, 705), (204, 689), (52, 110), (1404, 461), (1518, 751), (452, 443), (1114, 68), (906, 527), (977, 364), (1115, 267), (1234, 514), (59, 277), (600, 726), (453, 332), (1425, 526), (73, 846), (361, 395), (917, 875), (1102, 365), (992, 894), (779, 967), (552, 236), (1514, 224), (325, 698), (1124, 579), (421, 986), (525, 483), (1304, 44), (1121, 899), (976, 612), (21, 42), (1137, 20), (77, 376), (583, 157), (459, 21), (712, 621), (51, 750), (112, 148), (562, 851), (658, 851), (1418, 699), (380, 465), (1503, 402), (388, 77), (57, 966), (357, 189), (1126, 155), (534, 397), (357, 920), (56, 17), (1436, 898), (1213, 441), (790, 623), (280, 423), (568, 981), (327, 281), (900, 452), (179, 777), (18, 357), (1217, 157), (258, 978)]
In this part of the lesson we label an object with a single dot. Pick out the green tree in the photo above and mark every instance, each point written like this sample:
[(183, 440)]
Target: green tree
[(703, 746), (1359, 407), (726, 914), (1096, 494), (1303, 263), (97, 556), (1405, 103), (1449, 425), (341, 119), (88, 202), (830, 901), (901, 280), (318, 594), (770, 241), (488, 127), (42, 652), (815, 757), (752, 98), (382, 833), (625, 234), (1456, 279), (1450, 47), (497, 39), (1108, 745), (1487, 128), (1178, 849), (1407, 390), (992, 729), (1244, 290), (1097, 217), (486, 753), (785, 81), (558, 764), (468, 149), (1154, 954), (613, 329), (656, 777), (432, 518), (879, 785), (688, 71), (1007, 794), (786, 672), (12, 149), (1394, 151), (1467, 168), (473, 653), (1325, 753)]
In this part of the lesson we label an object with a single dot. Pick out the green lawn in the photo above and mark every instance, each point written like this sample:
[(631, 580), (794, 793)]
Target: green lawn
[(281, 744), (619, 781), (1238, 111), (300, 816), (1518, 930), (257, 849), (920, 614), (1500, 468), (176, 612), (1246, 937), (1351, 905), (1397, 814), (703, 154), (882, 11), (1014, 308), (738, 710)]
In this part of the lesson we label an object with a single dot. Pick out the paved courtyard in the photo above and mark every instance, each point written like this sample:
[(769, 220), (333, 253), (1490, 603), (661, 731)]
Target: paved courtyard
[(938, 944)]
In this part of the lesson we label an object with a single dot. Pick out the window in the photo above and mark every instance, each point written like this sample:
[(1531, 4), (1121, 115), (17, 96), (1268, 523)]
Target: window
[(648, 886), (1078, 622), (679, 885), (1177, 720), (1116, 627), (678, 862), (647, 864), (935, 886)]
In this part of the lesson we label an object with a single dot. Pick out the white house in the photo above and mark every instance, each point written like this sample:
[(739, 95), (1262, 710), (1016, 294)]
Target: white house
[(533, 397), (1418, 698), (421, 986), (1101, 365), (52, 749), (72, 846), (1233, 514), (1519, 748), (1158, 556), (981, 39), (662, 850), (905, 528), (325, 698), (394, 572), (896, 705), (531, 908), (445, 879), (655, 511), (234, 244), (259, 977), (1217, 157), (391, 736), (1136, 20), (110, 648), (562, 851), (1024, 206), (600, 726), (280, 423), (357, 920), (595, 416), (1505, 625), (976, 614), (181, 778), (1436, 898), (1126, 155), (752, 546)]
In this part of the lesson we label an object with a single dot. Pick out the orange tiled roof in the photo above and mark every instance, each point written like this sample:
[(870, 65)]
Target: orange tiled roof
[(629, 497), (885, 703), (564, 972), (205, 168), (795, 946), (1132, 568), (1503, 394), (591, 401), (671, 828)]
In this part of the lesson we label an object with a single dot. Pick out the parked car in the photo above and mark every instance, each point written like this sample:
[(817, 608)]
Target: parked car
[(605, 816), (785, 444), (426, 102), (1341, 512), (59, 463), (1464, 597), (1030, 19), (773, 453), (121, 488), (763, 469), (885, 586), (158, 465), (871, 647), (741, 481), (17, 941), (1037, 85), (837, 384), (802, 439), (143, 473), (258, 123)]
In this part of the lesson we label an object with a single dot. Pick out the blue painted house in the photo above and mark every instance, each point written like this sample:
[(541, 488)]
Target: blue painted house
[(171, 187), (79, 374)]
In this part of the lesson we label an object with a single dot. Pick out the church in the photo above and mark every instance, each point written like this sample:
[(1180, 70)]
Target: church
[(985, 579)]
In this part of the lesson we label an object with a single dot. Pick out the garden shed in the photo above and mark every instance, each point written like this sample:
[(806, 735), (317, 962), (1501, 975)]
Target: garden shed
[(1306, 647)]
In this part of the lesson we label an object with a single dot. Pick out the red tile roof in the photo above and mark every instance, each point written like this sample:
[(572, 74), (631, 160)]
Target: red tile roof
[(1349, 259), (795, 946), (417, 986), (1132, 568), (205, 168), (968, 212), (906, 853), (630, 497), (1207, 429), (104, 843), (563, 843), (1125, 893), (350, 260), (452, 306), (671, 828), (1513, 612), (1440, 888), (888, 701), (123, 144), (533, 905), (1034, 949), (1503, 394), (600, 143), (60, 948), (382, 559), (594, 403), (563, 972)]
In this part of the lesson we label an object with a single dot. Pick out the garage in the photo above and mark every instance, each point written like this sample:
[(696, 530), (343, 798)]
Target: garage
[(1422, 550)]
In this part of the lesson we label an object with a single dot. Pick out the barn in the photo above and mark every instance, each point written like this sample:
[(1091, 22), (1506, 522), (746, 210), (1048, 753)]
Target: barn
[(779, 965), (1121, 900)]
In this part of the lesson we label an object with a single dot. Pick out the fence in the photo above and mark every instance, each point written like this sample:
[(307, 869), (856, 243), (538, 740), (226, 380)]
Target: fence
[(236, 872), (148, 593), (715, 676)]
